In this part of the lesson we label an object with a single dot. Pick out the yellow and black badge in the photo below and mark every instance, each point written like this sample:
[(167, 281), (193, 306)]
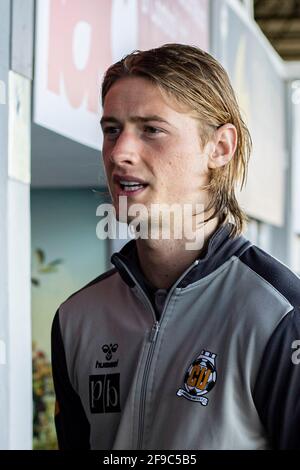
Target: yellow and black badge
[(200, 378)]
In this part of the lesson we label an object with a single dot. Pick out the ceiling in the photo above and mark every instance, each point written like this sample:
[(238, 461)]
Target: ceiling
[(280, 22), (58, 162)]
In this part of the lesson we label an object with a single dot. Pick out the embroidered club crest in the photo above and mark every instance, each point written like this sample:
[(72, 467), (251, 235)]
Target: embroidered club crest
[(199, 378)]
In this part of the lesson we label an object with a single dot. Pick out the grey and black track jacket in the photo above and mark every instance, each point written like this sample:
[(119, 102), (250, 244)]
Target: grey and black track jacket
[(212, 363)]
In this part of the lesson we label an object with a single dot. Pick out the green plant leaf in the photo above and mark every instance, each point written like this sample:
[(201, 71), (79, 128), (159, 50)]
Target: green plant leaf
[(40, 255), (55, 262), (35, 281), (48, 269)]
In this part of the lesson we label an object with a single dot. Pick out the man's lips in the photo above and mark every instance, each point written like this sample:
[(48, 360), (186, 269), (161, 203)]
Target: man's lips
[(129, 178), (128, 185)]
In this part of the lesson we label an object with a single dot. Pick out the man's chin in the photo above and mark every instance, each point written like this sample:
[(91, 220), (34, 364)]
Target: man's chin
[(124, 219), (129, 219)]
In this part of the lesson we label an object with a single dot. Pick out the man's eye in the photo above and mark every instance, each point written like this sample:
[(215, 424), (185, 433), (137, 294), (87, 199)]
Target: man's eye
[(110, 130), (152, 130)]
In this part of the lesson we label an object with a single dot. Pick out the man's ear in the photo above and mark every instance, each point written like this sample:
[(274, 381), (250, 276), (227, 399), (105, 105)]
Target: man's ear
[(225, 142)]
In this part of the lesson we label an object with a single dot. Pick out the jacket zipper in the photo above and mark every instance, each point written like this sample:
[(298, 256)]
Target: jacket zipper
[(152, 339)]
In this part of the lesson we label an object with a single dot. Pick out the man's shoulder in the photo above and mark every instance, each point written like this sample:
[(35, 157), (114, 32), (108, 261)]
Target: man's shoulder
[(274, 272), (88, 289)]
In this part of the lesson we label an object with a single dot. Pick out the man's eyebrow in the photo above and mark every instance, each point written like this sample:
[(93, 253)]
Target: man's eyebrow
[(153, 117)]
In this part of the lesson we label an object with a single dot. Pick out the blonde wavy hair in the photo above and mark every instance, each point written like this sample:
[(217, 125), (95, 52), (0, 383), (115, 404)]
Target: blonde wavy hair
[(194, 78)]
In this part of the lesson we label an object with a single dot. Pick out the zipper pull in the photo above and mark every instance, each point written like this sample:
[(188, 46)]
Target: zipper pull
[(154, 331)]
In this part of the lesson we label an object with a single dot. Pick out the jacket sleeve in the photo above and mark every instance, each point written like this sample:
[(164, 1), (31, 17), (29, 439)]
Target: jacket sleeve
[(72, 426), (277, 388)]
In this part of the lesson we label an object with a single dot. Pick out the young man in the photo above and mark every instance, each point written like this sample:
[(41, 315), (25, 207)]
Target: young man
[(179, 348)]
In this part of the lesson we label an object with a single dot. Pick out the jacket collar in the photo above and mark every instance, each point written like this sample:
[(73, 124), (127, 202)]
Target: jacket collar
[(219, 249)]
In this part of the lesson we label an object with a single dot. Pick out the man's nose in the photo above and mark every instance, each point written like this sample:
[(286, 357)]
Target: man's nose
[(126, 149)]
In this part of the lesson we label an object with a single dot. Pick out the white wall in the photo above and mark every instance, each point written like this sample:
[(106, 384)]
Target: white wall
[(4, 63), (19, 317), (15, 322)]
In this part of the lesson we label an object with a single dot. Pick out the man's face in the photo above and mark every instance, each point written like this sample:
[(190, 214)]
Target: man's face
[(149, 140)]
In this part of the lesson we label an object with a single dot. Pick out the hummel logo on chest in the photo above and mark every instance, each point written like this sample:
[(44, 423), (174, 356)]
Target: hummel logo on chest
[(109, 350)]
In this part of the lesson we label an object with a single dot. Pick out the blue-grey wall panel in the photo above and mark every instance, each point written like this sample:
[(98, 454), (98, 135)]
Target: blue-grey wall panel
[(4, 32), (22, 36)]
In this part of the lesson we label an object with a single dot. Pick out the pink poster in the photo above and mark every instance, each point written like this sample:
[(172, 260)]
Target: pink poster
[(78, 39), (164, 21)]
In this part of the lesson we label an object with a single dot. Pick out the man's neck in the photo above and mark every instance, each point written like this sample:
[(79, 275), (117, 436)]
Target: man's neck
[(163, 261)]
